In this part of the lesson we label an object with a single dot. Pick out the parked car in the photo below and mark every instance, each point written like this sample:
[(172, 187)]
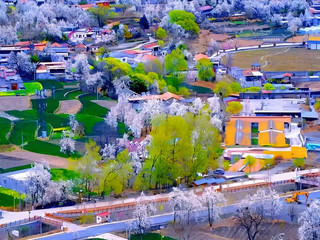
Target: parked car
[(221, 71), (219, 171)]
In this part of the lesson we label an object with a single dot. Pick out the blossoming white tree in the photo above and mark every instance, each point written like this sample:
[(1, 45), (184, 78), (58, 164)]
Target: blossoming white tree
[(67, 144), (143, 210), (213, 201), (309, 222)]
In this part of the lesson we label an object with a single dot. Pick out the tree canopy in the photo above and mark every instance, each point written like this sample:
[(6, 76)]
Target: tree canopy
[(185, 19)]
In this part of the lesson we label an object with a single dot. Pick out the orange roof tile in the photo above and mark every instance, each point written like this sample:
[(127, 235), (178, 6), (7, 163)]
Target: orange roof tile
[(200, 56), (165, 97), (55, 44)]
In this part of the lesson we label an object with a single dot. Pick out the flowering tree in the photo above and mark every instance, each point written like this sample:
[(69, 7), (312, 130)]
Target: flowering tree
[(143, 210), (109, 151), (41, 189), (212, 201), (67, 144), (196, 106), (186, 206), (255, 210), (309, 222)]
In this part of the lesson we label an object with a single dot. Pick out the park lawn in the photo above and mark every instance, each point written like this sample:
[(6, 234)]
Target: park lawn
[(49, 84), (7, 196), (73, 95), (25, 115), (57, 120), (23, 129), (150, 236), (47, 148), (63, 174), (92, 108), (52, 104), (88, 121), (277, 59), (5, 127)]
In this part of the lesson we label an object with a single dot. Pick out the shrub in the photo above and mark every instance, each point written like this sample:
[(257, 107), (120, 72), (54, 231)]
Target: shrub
[(282, 88), (86, 219), (234, 108), (317, 105), (7, 196), (298, 162), (226, 165)]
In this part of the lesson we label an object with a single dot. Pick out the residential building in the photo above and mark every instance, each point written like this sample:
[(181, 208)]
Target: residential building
[(51, 70), (15, 180), (313, 43), (251, 78)]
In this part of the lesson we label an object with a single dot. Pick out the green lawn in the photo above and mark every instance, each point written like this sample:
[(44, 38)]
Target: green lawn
[(25, 115), (43, 147), (88, 121), (150, 236), (73, 95), (91, 108), (49, 84), (63, 174), (16, 168), (5, 127), (52, 104), (7, 196), (25, 129), (59, 94)]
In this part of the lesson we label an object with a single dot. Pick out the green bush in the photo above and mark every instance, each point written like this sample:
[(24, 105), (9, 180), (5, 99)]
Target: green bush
[(7, 196), (88, 121), (5, 127), (86, 219), (92, 108), (23, 129), (48, 148), (254, 141), (63, 174), (317, 105)]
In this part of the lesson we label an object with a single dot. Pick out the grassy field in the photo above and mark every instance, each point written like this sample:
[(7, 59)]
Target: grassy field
[(7, 197), (278, 59), (92, 108), (88, 121), (42, 147), (49, 84), (27, 129), (5, 126)]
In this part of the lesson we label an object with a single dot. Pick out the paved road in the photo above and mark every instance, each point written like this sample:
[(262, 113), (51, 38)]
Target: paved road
[(289, 213)]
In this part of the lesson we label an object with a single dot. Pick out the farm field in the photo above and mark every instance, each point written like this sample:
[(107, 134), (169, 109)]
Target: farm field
[(278, 59)]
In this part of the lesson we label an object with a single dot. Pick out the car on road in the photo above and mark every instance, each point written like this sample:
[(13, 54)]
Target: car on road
[(219, 171), (221, 71)]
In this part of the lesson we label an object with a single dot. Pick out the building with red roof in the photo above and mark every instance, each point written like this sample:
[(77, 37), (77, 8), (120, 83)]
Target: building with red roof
[(200, 56), (103, 217)]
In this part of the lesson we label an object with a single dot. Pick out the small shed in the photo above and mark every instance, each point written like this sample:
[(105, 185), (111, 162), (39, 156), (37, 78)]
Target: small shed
[(103, 217)]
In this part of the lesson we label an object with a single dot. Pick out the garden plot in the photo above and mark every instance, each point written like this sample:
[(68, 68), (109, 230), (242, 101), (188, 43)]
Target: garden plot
[(69, 107), (14, 103)]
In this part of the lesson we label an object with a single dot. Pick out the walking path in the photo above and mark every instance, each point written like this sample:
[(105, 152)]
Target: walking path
[(36, 157)]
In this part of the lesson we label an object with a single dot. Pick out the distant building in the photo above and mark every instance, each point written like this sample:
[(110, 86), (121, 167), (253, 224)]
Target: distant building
[(313, 43), (51, 70), (251, 78), (205, 10)]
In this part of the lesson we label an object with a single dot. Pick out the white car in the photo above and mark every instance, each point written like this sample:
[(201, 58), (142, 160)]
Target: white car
[(221, 71)]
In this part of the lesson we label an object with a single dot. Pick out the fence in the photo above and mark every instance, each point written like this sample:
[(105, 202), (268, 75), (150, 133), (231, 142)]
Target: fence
[(31, 219), (257, 47)]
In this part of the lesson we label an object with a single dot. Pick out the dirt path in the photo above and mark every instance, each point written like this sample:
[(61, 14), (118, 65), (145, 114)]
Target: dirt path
[(105, 103), (266, 62), (36, 157), (14, 103), (69, 107)]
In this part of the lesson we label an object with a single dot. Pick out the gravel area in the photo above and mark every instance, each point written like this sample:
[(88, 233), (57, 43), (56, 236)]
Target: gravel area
[(69, 107), (14, 103)]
